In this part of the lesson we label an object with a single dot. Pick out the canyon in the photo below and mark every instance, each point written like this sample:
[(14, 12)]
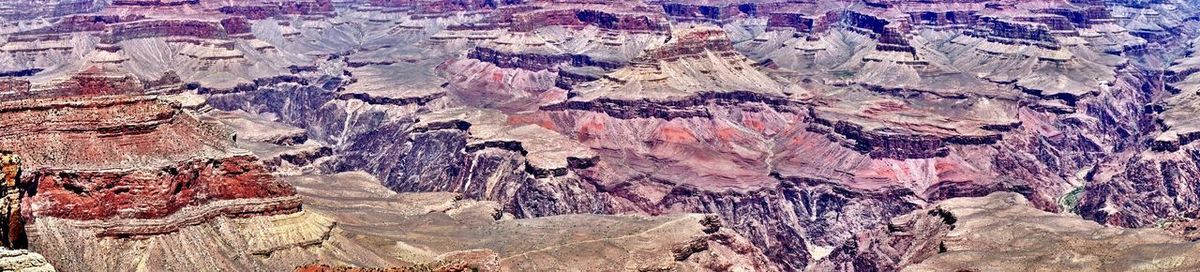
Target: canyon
[(667, 135)]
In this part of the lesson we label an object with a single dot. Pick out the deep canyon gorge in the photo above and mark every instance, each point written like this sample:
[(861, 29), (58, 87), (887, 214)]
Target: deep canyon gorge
[(600, 135)]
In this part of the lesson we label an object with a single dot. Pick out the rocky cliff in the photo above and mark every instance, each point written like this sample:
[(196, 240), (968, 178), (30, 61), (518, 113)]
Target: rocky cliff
[(463, 233), (803, 125), (1002, 231), (130, 166), (24, 261), (716, 115)]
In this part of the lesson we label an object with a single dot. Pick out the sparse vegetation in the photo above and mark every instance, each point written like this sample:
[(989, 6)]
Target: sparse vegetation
[(1068, 201)]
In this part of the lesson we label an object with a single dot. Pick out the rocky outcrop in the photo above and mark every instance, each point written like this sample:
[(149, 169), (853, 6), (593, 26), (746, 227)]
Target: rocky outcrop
[(1009, 32), (437, 8), (476, 234), (529, 62), (1154, 185), (266, 10), (694, 106), (276, 242), (121, 166), (891, 36), (34, 10), (965, 234), (696, 59), (23, 261), (145, 29), (804, 125), (141, 194), (1143, 190), (96, 81), (616, 16), (121, 176), (729, 11)]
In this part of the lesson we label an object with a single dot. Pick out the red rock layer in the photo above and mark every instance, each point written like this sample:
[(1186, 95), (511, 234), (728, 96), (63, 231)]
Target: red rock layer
[(154, 193), (130, 157), (691, 43)]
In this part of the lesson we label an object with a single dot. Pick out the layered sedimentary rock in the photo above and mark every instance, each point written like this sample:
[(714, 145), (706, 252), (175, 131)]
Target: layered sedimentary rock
[(206, 42), (727, 119), (804, 125), (533, 51), (283, 149), (23, 261), (1002, 231), (477, 235), (133, 166), (29, 10), (1155, 185), (141, 157)]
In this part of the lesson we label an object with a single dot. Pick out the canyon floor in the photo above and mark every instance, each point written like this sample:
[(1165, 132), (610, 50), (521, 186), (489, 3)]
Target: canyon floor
[(582, 135)]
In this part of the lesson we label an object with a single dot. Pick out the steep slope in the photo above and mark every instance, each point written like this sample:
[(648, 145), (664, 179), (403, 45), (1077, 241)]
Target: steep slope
[(449, 226), (1002, 231), (803, 124)]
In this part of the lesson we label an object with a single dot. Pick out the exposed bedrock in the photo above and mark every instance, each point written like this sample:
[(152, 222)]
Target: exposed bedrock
[(797, 213), (501, 173), (691, 106), (1035, 159), (532, 62), (1148, 184), (141, 194), (768, 216), (1003, 231), (439, 158), (92, 82), (636, 18), (109, 168), (433, 158), (145, 29), (1156, 185), (715, 11), (290, 7), (475, 234), (21, 260), (23, 10), (302, 106), (693, 126), (1150, 188)]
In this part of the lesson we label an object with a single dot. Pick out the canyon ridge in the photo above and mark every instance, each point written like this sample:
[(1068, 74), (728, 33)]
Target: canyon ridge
[(599, 135)]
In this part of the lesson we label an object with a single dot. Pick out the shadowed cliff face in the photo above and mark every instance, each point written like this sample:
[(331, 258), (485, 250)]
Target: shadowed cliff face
[(803, 125)]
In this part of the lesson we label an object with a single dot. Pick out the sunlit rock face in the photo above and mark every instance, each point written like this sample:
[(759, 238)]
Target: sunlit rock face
[(117, 170), (1003, 231), (804, 126), (128, 157), (476, 234), (163, 183)]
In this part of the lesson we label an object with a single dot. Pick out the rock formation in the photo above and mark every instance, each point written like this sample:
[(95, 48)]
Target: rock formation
[(1002, 231), (130, 167), (465, 233), (803, 126), (23, 261), (181, 182), (12, 233)]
